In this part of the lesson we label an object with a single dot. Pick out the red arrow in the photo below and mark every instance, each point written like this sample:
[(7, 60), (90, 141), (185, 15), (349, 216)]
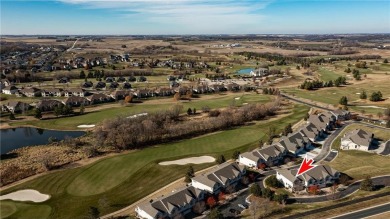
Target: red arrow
[(305, 166)]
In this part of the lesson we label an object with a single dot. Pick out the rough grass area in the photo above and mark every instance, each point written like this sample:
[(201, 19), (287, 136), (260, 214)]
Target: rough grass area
[(216, 101), (126, 178), (380, 134), (359, 164)]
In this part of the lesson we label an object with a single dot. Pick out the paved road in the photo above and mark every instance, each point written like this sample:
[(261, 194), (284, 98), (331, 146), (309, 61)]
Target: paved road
[(381, 181), (340, 205), (332, 155), (366, 212), (327, 145), (386, 151), (321, 107)]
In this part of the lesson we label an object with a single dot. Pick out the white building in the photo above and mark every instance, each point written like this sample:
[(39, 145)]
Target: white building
[(321, 176), (357, 139), (222, 176)]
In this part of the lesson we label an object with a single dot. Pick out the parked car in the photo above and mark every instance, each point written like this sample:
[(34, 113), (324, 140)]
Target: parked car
[(243, 206)]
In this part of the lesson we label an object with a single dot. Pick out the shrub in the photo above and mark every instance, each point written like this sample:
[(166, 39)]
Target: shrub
[(272, 181), (255, 190), (267, 193), (221, 159), (211, 202), (367, 184)]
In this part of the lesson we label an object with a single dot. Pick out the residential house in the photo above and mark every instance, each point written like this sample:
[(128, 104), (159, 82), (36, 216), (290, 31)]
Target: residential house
[(51, 92), (87, 84), (162, 92), (341, 114), (10, 90), (233, 87), (201, 89), (321, 176), (4, 83), (259, 72), (48, 104), (357, 139), (120, 94), (178, 203), (16, 106), (311, 131), (295, 143), (322, 122), (114, 85), (100, 85), (126, 85), (78, 92), (63, 80), (99, 98), (268, 156), (31, 92), (222, 176), (143, 93), (76, 101)]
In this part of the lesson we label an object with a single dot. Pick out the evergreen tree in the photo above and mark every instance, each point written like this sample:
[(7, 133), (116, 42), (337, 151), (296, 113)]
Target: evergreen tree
[(343, 100), (38, 114), (221, 159), (363, 95)]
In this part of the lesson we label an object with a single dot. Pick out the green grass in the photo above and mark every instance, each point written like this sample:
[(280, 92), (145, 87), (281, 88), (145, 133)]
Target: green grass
[(332, 95), (126, 178), (10, 209), (327, 75), (69, 123)]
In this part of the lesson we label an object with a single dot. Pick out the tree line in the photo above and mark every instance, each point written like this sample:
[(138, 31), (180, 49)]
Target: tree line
[(164, 126)]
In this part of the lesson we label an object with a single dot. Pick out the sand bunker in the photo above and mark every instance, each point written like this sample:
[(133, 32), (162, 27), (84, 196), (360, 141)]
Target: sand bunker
[(138, 115), (193, 160), (26, 195), (85, 126)]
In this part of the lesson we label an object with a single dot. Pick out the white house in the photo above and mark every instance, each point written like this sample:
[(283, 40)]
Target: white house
[(357, 139), (10, 90), (321, 176), (259, 72), (179, 202), (222, 176), (78, 92), (341, 114)]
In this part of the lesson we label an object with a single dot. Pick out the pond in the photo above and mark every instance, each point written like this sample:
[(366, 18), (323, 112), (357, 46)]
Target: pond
[(20, 137), (245, 71)]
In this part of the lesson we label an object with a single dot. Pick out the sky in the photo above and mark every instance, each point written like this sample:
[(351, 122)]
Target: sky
[(133, 17)]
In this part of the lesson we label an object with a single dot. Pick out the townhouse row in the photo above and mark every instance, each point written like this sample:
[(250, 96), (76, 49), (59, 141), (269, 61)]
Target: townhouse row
[(182, 201)]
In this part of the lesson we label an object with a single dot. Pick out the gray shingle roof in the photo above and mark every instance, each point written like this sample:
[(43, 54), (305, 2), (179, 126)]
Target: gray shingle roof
[(220, 174), (359, 136), (177, 199), (293, 141)]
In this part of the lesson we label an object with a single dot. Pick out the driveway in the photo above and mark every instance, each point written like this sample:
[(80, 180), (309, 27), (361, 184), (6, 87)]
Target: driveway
[(386, 151)]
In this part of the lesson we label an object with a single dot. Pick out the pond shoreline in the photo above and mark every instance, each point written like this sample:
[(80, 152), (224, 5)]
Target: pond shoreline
[(16, 138)]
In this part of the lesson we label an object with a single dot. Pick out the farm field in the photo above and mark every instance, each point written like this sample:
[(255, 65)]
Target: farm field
[(126, 178)]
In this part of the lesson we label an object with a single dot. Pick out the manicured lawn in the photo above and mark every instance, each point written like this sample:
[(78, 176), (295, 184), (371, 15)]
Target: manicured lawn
[(126, 178), (219, 101), (21, 210), (327, 75)]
